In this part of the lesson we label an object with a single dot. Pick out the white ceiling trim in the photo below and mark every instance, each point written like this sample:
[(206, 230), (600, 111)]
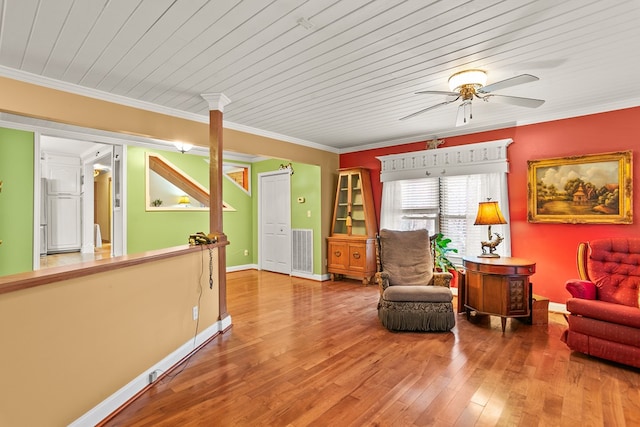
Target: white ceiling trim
[(129, 102), (482, 157)]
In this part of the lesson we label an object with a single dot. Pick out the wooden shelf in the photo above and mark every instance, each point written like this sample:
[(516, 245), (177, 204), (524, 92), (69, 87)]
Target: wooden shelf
[(351, 247)]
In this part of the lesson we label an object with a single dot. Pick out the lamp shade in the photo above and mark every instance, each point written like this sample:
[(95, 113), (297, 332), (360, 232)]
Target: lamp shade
[(488, 214), (476, 78)]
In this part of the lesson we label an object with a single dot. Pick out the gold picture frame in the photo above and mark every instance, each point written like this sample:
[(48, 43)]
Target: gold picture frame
[(589, 189)]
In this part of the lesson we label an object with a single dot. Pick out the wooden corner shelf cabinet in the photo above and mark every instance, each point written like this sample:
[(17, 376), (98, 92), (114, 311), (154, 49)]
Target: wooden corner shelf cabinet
[(351, 246)]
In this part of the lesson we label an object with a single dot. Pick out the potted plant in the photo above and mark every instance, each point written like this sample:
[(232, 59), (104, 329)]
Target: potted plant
[(441, 248)]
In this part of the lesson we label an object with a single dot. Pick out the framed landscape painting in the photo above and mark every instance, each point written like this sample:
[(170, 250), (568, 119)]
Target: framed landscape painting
[(593, 189)]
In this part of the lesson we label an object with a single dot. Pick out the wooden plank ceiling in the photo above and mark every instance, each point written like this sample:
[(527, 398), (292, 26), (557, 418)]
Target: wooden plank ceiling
[(339, 73)]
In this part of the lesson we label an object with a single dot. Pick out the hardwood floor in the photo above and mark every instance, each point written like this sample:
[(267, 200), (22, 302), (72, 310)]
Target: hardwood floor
[(307, 353)]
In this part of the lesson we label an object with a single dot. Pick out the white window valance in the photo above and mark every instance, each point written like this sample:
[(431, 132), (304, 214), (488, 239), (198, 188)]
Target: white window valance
[(483, 157)]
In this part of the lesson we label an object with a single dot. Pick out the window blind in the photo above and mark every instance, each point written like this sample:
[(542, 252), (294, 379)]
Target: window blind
[(455, 193)]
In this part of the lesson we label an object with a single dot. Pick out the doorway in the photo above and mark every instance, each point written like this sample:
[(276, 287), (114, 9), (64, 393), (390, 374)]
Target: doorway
[(99, 171), (102, 204), (274, 201)]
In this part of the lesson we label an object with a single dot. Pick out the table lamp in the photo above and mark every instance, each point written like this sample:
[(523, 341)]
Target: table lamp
[(489, 214)]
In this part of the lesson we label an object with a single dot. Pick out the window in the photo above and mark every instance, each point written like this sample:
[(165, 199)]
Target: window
[(446, 205), (420, 204), (239, 174), (458, 202)]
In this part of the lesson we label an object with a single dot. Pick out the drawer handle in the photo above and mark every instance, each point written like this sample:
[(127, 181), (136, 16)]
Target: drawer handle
[(337, 253), (356, 255)]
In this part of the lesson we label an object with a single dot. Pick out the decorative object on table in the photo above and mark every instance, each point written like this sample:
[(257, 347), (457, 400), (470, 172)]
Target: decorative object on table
[(595, 189), (184, 201), (489, 214), (156, 203)]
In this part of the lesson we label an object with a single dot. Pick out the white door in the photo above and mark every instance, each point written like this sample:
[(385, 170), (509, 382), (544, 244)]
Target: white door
[(64, 228), (274, 195)]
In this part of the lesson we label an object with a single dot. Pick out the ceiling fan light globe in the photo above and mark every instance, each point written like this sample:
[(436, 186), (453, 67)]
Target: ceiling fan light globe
[(475, 78)]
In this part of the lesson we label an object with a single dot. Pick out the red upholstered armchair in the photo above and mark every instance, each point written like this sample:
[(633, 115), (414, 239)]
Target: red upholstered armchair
[(604, 318)]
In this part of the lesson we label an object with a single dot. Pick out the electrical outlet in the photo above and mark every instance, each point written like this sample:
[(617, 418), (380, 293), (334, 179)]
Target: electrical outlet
[(246, 252), (195, 312)]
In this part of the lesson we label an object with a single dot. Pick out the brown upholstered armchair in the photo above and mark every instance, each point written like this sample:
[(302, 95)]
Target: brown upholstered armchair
[(412, 296)]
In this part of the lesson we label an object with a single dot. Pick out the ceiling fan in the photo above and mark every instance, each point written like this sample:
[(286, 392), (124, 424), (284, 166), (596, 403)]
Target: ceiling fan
[(470, 84)]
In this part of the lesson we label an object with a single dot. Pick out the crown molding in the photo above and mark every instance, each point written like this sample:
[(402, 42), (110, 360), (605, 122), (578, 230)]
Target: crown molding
[(467, 130), (50, 83)]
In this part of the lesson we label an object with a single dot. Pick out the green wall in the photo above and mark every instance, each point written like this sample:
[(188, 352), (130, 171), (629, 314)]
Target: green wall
[(16, 201), (237, 224), (305, 182), (147, 230)]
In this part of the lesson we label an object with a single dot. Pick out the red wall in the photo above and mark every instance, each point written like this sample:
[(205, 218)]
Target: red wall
[(551, 246)]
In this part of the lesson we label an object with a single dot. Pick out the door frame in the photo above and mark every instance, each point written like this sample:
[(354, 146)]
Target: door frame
[(260, 192), (117, 146)]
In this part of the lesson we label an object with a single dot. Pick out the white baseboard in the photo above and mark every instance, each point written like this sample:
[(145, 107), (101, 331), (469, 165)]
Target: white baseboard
[(557, 307), (120, 397), (316, 277), (242, 267), (309, 276)]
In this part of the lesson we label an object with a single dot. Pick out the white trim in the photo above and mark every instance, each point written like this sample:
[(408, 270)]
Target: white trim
[(216, 101), (120, 397), (558, 308), (279, 136), (466, 130), (122, 100), (483, 157), (316, 277), (37, 201), (242, 267)]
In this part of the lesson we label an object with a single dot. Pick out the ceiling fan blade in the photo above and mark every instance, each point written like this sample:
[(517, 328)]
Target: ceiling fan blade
[(513, 81), (515, 100), (417, 113), (438, 92)]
